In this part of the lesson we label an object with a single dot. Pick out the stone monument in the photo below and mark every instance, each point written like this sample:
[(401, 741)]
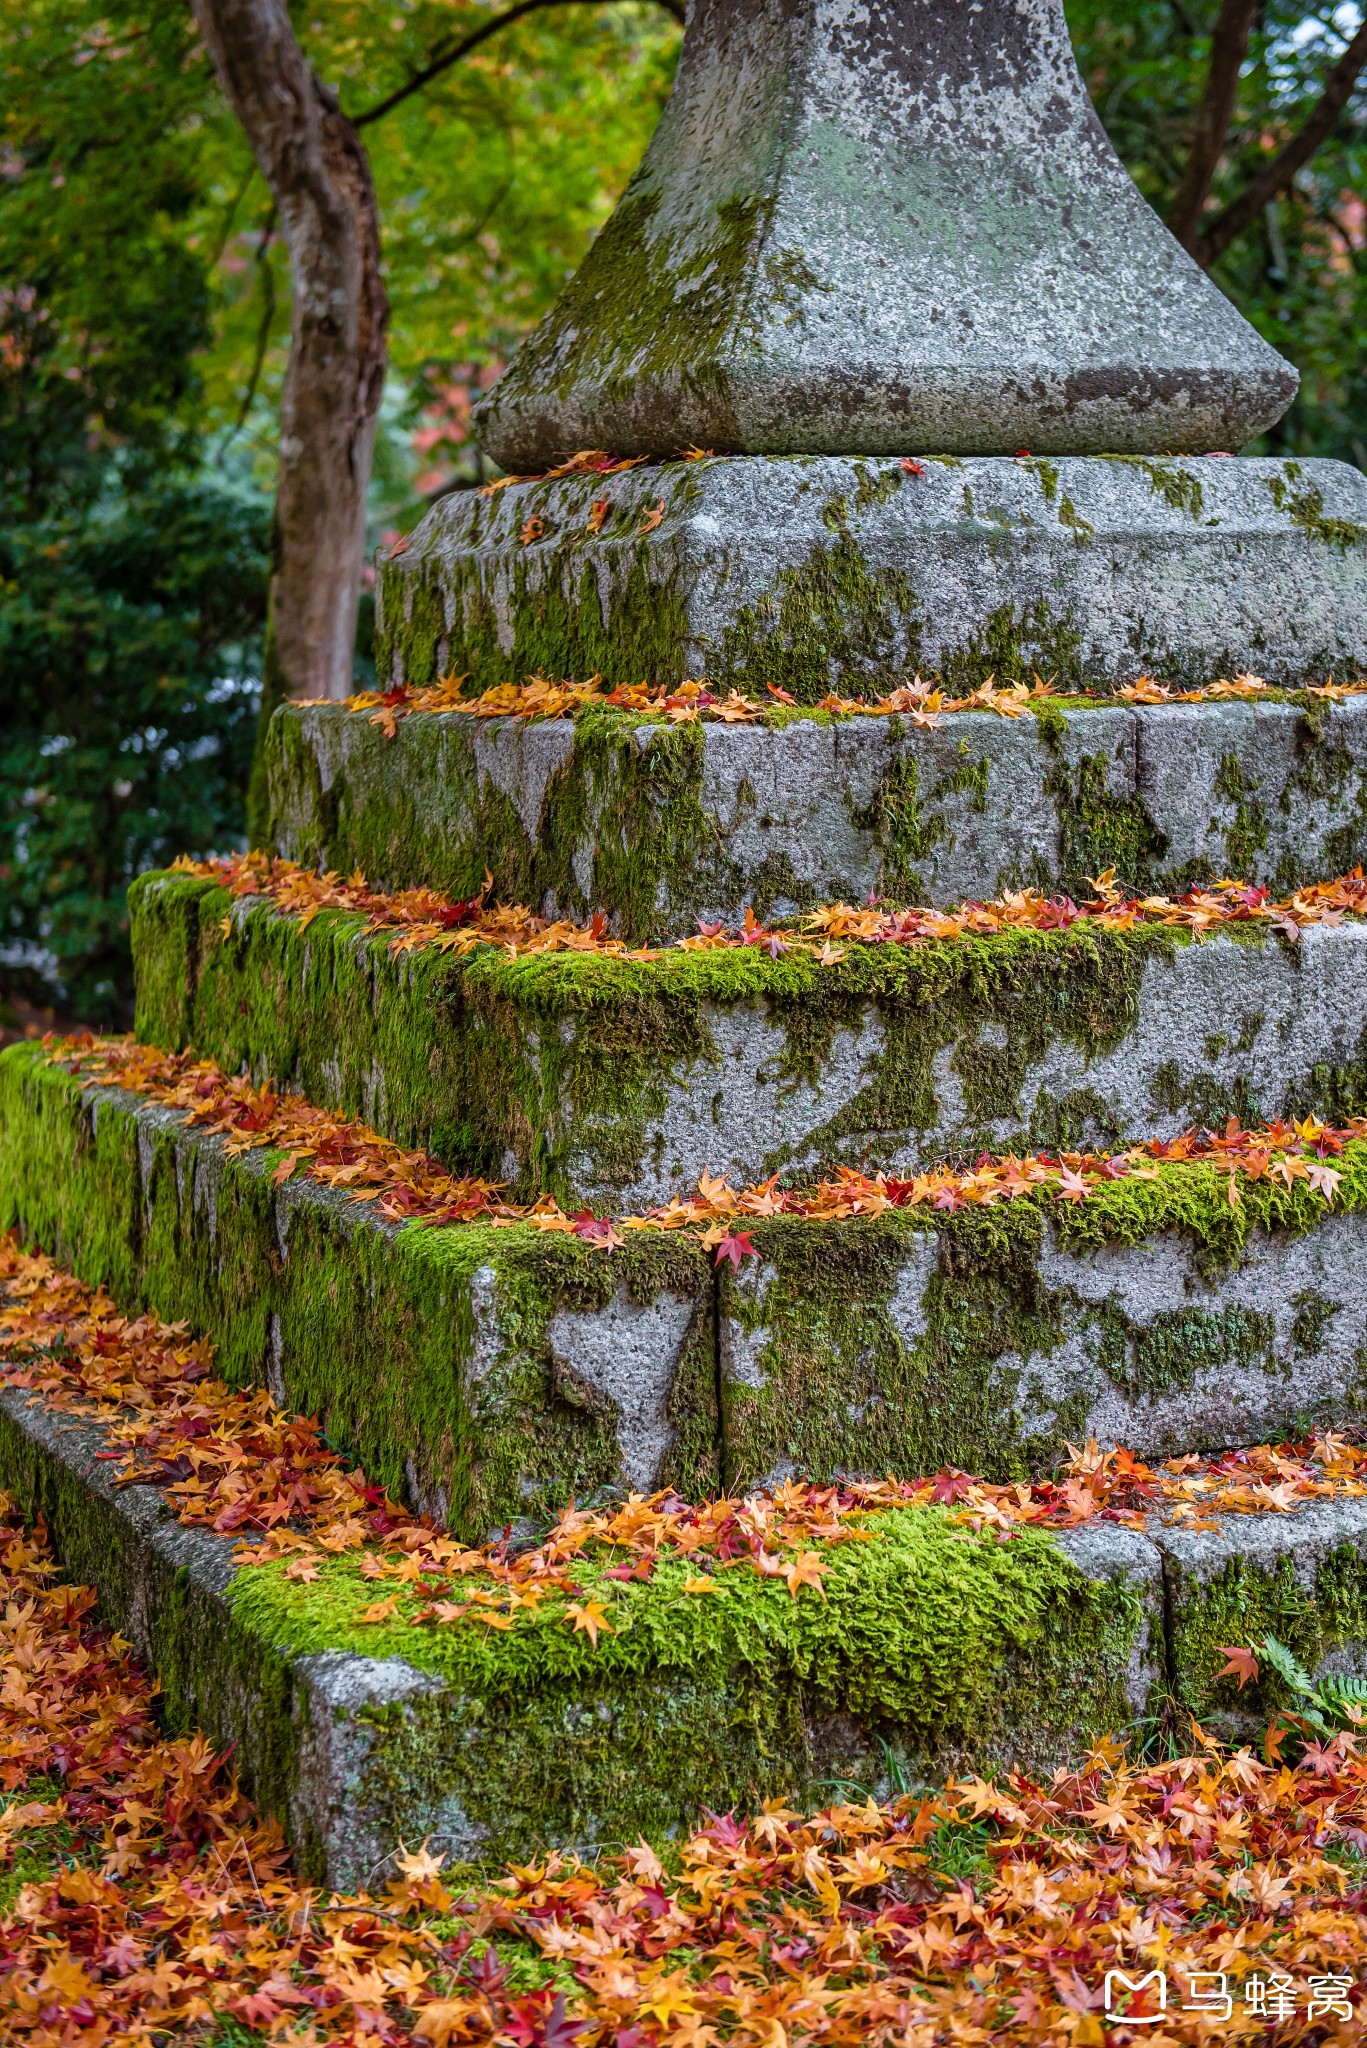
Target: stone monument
[(864, 233), (879, 1193)]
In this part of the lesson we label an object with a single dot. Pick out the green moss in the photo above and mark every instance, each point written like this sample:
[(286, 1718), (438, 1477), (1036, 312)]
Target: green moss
[(1244, 1603), (643, 305), (937, 1641), (1305, 509), (877, 1345), (1246, 834), (831, 621), (1178, 488), (1099, 827), (1013, 645), (906, 834), (1170, 1353), (628, 623), (427, 1353)]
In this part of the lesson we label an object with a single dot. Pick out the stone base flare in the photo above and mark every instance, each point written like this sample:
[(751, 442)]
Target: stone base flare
[(849, 573)]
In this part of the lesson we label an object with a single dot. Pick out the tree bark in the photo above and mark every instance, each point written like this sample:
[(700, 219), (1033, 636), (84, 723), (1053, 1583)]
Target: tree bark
[(1228, 48), (1276, 179), (316, 166)]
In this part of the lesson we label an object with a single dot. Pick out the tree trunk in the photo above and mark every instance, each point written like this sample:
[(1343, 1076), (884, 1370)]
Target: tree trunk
[(318, 172)]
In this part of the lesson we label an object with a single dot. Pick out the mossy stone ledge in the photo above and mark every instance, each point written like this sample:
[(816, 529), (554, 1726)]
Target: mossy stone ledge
[(618, 1082), (1143, 1316), (490, 1372), (849, 572), (484, 1374), (660, 825), (933, 1649)]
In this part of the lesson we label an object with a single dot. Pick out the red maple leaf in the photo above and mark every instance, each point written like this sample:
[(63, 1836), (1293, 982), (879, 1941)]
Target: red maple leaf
[(735, 1246)]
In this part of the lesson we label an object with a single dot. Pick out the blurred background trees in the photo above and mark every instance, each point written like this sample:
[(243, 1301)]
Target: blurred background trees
[(145, 319)]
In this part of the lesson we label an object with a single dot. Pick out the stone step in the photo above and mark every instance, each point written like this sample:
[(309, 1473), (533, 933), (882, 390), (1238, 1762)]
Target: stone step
[(660, 825), (618, 1082), (488, 1371), (851, 572), (933, 1650), (482, 1373)]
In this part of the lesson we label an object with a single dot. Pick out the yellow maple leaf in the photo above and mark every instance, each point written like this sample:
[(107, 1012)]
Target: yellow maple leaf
[(590, 1618), (382, 1610), (806, 1570)]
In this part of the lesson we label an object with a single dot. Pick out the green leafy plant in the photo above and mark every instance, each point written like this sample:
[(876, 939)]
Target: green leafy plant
[(1327, 1704)]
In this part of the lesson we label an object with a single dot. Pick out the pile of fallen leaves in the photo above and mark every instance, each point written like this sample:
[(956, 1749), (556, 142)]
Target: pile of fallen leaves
[(427, 917), (147, 1903), (233, 1461), (412, 1186), (685, 702)]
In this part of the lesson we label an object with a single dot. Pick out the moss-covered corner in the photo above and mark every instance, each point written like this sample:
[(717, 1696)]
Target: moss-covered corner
[(617, 819), (1319, 1613), (429, 1354), (942, 1645)]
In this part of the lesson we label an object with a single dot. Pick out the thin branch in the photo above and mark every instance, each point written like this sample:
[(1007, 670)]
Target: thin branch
[(263, 332), (442, 59), (1276, 178), (1228, 48)]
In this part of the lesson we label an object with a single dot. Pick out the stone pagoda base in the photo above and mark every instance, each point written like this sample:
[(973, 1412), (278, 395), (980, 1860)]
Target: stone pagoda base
[(839, 572)]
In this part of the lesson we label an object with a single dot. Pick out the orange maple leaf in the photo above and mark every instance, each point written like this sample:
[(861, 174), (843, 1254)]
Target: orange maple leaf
[(590, 1617), (1242, 1664)]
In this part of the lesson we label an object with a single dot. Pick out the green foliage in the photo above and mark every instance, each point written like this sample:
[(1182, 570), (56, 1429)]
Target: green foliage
[(126, 631), (1300, 272), (130, 597), (1334, 1700)]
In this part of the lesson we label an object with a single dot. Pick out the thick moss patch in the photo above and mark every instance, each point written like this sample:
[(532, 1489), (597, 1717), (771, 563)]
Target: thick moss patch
[(938, 1643)]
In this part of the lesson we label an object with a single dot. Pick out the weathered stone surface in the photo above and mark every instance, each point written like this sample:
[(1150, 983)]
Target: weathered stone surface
[(466, 1369), (619, 1083), (850, 573), (880, 227), (888, 1346), (660, 825)]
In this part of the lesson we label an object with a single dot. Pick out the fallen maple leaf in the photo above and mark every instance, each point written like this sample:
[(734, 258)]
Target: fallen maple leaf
[(652, 518), (382, 1610), (1242, 1664), (735, 1246), (590, 1617)]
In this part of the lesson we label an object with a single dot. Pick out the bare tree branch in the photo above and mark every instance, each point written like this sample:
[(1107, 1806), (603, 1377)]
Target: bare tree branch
[(1270, 183), (1228, 48), (445, 55)]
